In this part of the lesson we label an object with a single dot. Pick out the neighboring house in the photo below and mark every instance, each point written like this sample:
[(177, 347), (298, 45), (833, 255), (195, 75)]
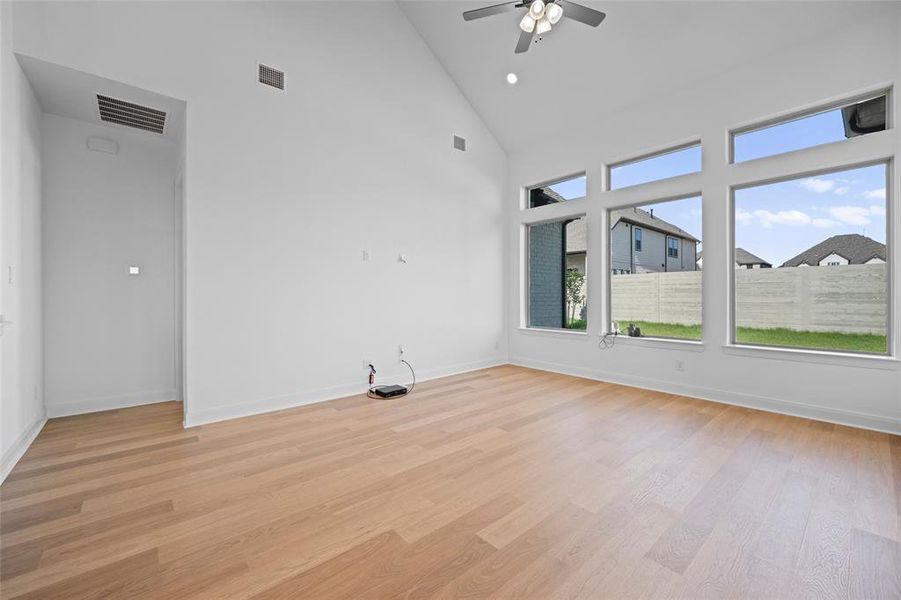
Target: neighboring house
[(847, 249), (743, 260), (643, 243)]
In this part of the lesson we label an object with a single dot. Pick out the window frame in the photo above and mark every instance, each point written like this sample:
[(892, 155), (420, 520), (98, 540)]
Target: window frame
[(637, 237), (732, 325), (662, 342), (809, 111), (527, 189), (655, 153), (524, 321), (675, 249)]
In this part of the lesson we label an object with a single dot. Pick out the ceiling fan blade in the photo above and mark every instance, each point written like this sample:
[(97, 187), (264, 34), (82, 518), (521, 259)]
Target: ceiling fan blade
[(580, 13), (487, 11), (525, 40)]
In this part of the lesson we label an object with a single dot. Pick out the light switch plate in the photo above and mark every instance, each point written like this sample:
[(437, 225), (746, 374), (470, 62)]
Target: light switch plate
[(133, 270)]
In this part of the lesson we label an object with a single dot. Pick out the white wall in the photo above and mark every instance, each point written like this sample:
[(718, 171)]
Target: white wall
[(109, 338), (861, 392), (285, 191), (21, 393)]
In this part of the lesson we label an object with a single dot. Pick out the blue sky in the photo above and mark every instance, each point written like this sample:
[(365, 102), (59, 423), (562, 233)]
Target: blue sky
[(780, 220)]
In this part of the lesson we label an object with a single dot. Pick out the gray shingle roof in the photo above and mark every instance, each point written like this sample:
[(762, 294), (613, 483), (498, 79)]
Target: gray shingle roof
[(642, 218), (856, 248), (743, 257)]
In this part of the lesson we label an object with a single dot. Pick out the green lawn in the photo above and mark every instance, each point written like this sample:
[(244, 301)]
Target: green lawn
[(843, 342)]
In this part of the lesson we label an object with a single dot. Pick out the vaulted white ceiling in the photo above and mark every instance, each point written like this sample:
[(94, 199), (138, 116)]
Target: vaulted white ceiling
[(579, 73)]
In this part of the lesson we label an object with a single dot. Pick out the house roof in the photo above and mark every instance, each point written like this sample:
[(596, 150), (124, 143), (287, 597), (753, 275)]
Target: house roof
[(643, 218), (855, 248), (743, 257)]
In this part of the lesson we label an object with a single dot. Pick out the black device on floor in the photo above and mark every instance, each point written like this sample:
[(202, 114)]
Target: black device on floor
[(390, 391)]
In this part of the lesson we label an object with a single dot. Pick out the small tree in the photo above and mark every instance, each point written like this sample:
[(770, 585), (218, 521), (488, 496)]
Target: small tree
[(575, 283)]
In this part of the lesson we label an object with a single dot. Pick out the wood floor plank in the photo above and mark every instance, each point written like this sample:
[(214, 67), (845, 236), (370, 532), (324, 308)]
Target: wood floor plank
[(505, 482)]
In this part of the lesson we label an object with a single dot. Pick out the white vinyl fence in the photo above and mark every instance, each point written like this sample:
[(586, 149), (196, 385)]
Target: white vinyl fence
[(846, 299)]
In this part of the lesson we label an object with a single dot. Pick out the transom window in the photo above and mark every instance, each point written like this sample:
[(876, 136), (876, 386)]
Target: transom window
[(662, 165), (850, 119), (570, 188)]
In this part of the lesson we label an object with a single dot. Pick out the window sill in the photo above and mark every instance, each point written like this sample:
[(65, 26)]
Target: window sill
[(657, 342), (821, 357), (564, 332)]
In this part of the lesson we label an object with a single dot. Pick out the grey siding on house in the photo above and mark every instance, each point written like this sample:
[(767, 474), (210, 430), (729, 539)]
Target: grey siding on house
[(652, 258), (620, 242), (546, 260)]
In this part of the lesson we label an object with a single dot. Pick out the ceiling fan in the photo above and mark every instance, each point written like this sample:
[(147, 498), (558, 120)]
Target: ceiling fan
[(540, 17)]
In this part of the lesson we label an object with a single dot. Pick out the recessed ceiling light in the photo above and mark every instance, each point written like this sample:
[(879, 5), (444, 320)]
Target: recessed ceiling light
[(512, 78)]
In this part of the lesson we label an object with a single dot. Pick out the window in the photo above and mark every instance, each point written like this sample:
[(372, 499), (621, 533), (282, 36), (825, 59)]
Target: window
[(557, 274), (657, 290), (663, 165), (822, 234), (672, 247), (842, 122), (561, 191)]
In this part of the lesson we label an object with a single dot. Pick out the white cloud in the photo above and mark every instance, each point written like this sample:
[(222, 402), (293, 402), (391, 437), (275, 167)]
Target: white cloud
[(824, 223), (878, 194), (743, 217), (841, 191), (820, 186), (878, 211), (783, 217), (851, 215)]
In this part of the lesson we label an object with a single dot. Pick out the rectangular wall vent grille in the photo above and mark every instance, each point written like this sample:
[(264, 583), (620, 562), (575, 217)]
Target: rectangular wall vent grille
[(459, 143), (113, 110), (272, 77)]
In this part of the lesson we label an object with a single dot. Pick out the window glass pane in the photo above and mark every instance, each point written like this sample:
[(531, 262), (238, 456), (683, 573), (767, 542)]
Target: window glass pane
[(558, 275), (655, 290), (568, 189), (851, 120), (825, 239), (661, 166)]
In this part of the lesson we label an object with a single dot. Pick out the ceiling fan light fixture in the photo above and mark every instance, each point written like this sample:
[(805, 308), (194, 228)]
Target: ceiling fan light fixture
[(536, 9), (527, 24), (553, 12), (543, 26)]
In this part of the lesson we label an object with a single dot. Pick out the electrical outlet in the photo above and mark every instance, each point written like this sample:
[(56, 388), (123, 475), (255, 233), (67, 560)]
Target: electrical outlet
[(401, 350), (680, 365)]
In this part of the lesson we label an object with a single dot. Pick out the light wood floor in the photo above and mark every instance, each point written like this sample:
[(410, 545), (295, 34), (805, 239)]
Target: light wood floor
[(506, 482)]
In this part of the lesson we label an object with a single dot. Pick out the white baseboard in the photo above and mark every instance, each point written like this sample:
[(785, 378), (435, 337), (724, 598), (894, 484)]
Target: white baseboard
[(80, 407), (774, 405), (235, 411), (17, 450)]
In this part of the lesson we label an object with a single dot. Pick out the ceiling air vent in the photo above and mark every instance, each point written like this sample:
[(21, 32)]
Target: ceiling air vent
[(272, 77), (129, 114), (460, 143)]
